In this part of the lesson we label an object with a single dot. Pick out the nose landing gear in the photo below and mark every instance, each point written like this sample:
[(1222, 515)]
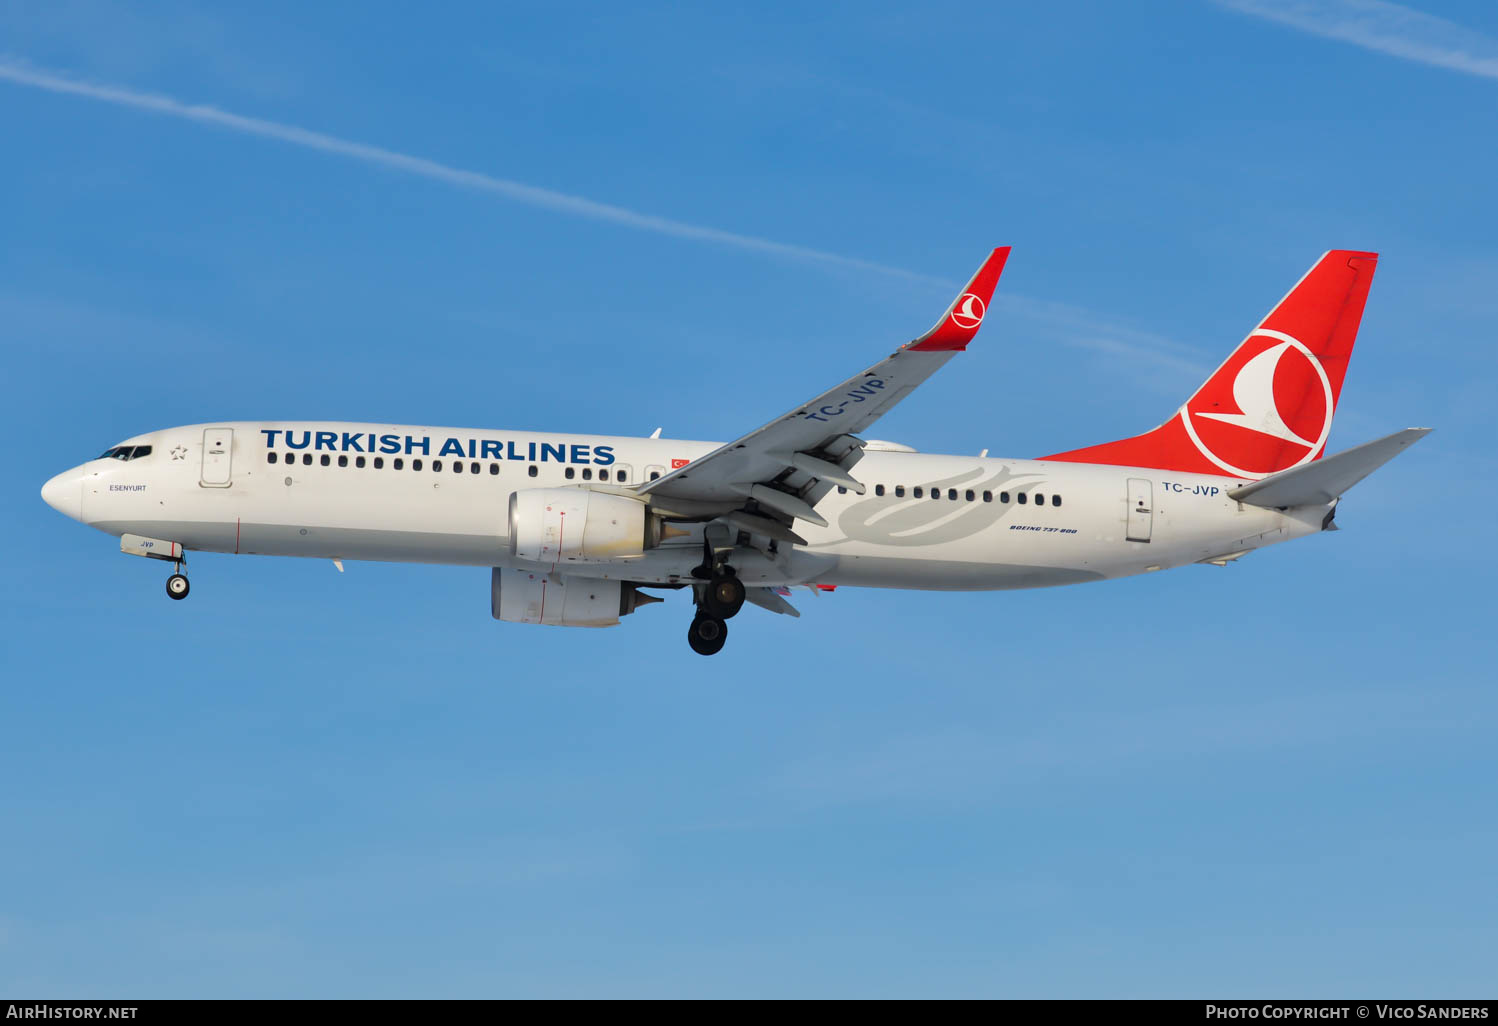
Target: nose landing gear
[(176, 585)]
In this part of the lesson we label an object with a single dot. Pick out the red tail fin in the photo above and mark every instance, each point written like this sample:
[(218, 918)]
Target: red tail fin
[(1270, 406)]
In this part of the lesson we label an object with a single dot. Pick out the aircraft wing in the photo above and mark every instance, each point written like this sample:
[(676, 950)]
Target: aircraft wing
[(783, 468)]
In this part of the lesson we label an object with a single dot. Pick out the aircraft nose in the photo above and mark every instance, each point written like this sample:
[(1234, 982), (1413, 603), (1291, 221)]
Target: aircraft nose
[(64, 493)]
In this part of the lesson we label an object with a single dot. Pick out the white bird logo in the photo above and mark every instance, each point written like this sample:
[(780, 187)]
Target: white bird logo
[(968, 311), (1253, 391)]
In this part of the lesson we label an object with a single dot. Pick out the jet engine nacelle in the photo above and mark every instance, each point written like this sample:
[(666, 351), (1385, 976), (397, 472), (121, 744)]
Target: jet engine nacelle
[(576, 525), (563, 600)]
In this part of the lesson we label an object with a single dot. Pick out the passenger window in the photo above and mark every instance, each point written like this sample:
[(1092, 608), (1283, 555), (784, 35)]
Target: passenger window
[(457, 466), (306, 459), (379, 463), (879, 489), (270, 457), (290, 458), (398, 463), (969, 495), (1055, 500), (359, 462), (619, 476), (494, 470), (437, 466), (1022, 498), (532, 471), (988, 496), (952, 494), (1039, 499), (936, 493), (655, 475), (587, 473), (917, 492), (603, 475), (473, 468), (569, 473), (899, 491), (1003, 496), (841, 490), (324, 460), (342, 461), (416, 464)]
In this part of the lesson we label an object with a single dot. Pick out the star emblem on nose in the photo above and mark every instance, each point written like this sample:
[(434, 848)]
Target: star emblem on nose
[(179, 453)]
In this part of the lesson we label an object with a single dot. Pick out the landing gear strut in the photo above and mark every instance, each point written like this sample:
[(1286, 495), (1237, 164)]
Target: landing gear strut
[(176, 585), (718, 600)]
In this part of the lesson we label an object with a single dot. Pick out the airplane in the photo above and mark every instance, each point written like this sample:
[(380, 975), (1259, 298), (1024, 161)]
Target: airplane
[(804, 500)]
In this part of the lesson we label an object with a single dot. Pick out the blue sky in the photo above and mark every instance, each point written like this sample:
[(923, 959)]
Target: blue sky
[(1276, 778)]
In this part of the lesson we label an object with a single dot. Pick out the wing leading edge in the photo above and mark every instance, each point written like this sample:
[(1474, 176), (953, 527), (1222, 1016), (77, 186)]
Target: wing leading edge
[(778, 472)]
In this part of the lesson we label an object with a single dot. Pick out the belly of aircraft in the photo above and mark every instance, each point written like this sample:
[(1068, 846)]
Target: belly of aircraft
[(901, 568)]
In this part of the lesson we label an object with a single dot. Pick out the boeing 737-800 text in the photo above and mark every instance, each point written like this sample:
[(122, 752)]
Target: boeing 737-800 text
[(575, 527)]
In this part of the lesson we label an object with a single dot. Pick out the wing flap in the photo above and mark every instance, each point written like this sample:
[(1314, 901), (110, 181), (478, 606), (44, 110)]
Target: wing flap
[(766, 598)]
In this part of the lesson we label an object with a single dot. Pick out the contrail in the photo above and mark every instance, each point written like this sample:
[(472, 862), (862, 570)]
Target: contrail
[(1386, 28), (1073, 325), (520, 192)]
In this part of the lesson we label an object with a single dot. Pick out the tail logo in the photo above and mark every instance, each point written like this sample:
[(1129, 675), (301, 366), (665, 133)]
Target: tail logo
[(967, 312), (1272, 375)]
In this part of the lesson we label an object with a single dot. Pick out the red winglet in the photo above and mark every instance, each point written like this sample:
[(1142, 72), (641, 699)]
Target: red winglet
[(963, 318)]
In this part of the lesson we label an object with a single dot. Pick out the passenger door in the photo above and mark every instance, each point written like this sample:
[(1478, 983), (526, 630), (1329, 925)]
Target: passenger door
[(218, 456)]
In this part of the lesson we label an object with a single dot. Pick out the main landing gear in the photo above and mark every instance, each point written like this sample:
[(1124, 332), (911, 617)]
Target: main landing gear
[(707, 635), (719, 598), (176, 585)]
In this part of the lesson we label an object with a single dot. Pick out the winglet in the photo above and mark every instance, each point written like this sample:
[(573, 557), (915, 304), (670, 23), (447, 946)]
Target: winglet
[(963, 318)]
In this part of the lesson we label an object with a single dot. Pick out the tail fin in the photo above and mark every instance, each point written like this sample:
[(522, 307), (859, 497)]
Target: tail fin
[(1269, 407)]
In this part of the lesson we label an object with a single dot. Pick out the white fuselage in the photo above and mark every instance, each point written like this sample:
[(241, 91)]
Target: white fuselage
[(229, 488)]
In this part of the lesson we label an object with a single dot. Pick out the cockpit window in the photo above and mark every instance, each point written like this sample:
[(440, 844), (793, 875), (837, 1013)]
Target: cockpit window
[(125, 452)]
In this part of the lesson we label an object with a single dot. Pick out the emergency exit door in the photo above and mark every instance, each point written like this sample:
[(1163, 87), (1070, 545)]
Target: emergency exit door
[(218, 455), (1141, 509)]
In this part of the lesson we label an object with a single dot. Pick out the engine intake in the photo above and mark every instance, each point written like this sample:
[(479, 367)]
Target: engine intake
[(576, 525)]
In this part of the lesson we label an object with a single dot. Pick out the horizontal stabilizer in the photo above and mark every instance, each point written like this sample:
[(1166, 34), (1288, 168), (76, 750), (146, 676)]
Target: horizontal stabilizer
[(1316, 484)]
